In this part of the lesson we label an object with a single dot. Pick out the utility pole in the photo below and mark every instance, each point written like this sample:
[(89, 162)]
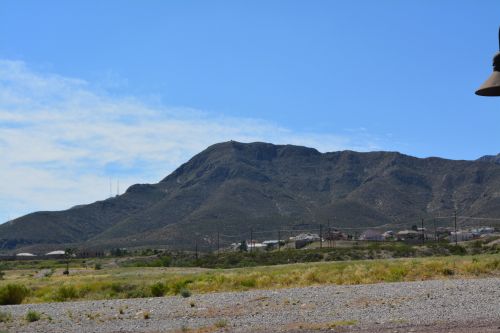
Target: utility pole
[(196, 248), (251, 239), (456, 236), (320, 236), (279, 239), (329, 233), (218, 242), (435, 231), (423, 232)]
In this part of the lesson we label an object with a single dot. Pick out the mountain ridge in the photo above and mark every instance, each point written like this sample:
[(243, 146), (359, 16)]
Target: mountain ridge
[(231, 186)]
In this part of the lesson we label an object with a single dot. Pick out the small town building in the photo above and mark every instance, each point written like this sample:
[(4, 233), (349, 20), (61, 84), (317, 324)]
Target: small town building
[(483, 231), (371, 235), (389, 234), (56, 254), (461, 236), (306, 236), (334, 234), (408, 235)]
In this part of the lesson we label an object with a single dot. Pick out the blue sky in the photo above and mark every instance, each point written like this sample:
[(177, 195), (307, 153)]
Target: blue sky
[(127, 90)]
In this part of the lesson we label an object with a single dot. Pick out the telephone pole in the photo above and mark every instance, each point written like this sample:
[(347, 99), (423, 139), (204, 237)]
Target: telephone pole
[(456, 236), (329, 233), (435, 231), (251, 239), (218, 242), (423, 232), (196, 248), (320, 236), (279, 239)]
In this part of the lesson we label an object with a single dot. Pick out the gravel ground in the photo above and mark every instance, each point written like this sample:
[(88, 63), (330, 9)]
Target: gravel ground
[(427, 306)]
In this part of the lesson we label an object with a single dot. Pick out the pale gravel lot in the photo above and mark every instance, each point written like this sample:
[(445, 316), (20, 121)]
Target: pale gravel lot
[(427, 306)]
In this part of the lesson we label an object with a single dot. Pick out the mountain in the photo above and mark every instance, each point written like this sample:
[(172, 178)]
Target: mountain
[(490, 158), (233, 187)]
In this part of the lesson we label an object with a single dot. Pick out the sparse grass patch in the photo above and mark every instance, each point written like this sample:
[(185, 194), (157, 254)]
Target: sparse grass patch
[(32, 316), (323, 326), (221, 323), (5, 317), (146, 315)]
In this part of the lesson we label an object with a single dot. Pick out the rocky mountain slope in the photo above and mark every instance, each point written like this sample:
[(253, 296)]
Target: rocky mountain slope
[(231, 187)]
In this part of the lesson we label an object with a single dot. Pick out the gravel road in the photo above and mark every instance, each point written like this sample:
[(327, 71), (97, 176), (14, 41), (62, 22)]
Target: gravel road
[(427, 306)]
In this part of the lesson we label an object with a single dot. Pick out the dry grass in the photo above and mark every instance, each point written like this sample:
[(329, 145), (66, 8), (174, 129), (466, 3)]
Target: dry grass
[(137, 282)]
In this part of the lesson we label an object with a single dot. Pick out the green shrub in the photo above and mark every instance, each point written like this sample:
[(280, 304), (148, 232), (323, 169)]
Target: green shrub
[(249, 282), (177, 286), (138, 292), (32, 316), (64, 293), (117, 287), (97, 266), (457, 250), (13, 294), (158, 289), (185, 292)]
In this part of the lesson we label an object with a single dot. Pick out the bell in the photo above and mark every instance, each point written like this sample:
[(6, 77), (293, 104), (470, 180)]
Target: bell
[(491, 87)]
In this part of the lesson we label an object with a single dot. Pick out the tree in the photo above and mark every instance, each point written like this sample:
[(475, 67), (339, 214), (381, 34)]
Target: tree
[(243, 246), (68, 254)]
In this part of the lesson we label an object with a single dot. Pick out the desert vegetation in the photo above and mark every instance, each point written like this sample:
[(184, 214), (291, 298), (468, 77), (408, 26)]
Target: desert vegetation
[(85, 283)]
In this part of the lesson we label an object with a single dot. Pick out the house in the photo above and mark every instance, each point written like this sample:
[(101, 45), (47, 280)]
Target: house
[(408, 235), (371, 235), (255, 246), (272, 244), (304, 239), (461, 236), (442, 233), (56, 254), (334, 234), (389, 234), (478, 232), (306, 236), (25, 254)]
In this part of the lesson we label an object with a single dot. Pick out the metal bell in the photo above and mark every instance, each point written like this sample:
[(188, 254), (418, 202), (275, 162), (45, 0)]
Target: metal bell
[(491, 87)]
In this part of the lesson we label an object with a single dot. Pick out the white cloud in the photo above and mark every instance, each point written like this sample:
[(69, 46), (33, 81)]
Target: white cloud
[(60, 141)]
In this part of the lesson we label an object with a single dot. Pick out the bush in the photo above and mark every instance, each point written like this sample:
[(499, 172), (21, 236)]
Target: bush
[(13, 294), (64, 293), (32, 316), (185, 292), (158, 289), (97, 266), (457, 250)]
